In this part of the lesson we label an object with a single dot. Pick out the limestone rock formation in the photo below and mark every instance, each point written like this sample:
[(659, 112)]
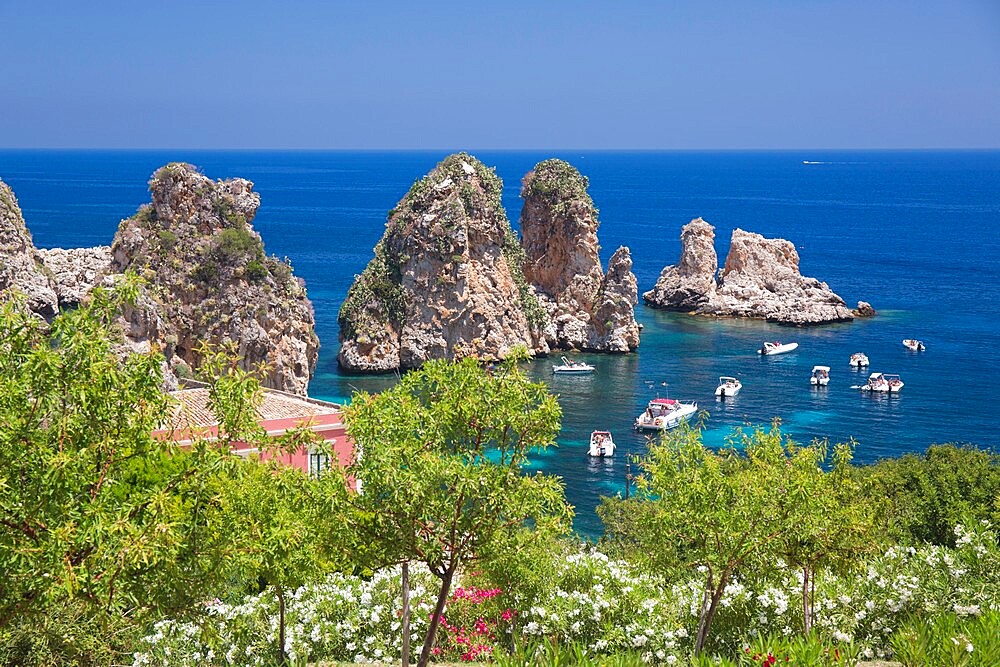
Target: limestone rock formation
[(586, 308), (760, 280), (614, 325), (690, 284), (210, 281), (76, 271), (446, 280), (21, 268), (864, 309)]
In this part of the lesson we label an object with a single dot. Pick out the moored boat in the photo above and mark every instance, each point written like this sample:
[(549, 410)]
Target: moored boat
[(776, 347), (914, 345), (570, 366), (882, 383), (601, 444), (664, 413), (820, 376), (728, 386), (859, 359)]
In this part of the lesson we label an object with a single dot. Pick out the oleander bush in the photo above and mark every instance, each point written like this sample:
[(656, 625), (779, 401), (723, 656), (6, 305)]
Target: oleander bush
[(607, 609)]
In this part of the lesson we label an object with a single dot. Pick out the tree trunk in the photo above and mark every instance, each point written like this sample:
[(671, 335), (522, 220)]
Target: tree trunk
[(406, 614), (705, 623), (282, 658), (806, 600), (425, 653)]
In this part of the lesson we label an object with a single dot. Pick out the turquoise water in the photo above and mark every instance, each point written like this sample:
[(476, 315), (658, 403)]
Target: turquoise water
[(915, 233)]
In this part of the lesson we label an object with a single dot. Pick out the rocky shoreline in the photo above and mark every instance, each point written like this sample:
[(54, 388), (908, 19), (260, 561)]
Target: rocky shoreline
[(449, 279), (205, 279)]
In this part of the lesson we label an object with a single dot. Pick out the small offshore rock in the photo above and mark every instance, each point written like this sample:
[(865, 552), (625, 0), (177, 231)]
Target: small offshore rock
[(77, 271), (864, 309), (690, 285)]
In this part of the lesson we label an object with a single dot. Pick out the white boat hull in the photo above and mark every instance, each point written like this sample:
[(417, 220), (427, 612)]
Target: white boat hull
[(819, 382), (723, 392), (645, 422), (601, 444), (770, 351), (572, 371)]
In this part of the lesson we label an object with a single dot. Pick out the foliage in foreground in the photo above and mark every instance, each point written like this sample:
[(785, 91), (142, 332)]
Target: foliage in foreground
[(107, 527), (440, 457), (608, 607)]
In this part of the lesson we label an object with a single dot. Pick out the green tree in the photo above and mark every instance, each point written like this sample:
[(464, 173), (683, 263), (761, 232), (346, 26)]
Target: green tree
[(99, 519), (831, 528), (285, 526), (724, 513), (439, 460)]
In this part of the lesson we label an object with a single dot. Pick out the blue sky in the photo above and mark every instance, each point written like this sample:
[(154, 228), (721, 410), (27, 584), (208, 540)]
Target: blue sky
[(657, 75)]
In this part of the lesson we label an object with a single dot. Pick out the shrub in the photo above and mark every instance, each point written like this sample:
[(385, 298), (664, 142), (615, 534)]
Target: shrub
[(256, 270), (235, 243)]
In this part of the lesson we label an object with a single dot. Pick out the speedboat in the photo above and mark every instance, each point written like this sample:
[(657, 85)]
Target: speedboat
[(776, 347), (859, 359), (601, 444), (820, 376), (914, 345), (882, 383), (664, 413), (570, 366), (728, 386)]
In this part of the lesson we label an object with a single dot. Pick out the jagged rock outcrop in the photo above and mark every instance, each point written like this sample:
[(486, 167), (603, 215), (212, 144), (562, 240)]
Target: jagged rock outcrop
[(76, 271), (690, 284), (210, 281), (760, 280), (21, 268), (864, 309), (586, 308), (614, 314), (446, 281)]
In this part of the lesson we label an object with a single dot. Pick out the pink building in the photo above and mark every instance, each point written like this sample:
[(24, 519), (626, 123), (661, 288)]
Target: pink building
[(278, 413)]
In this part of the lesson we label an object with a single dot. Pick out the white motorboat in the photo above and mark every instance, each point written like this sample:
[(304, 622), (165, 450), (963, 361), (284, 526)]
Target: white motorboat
[(859, 359), (776, 347), (820, 376), (601, 444), (882, 383), (914, 345), (728, 386), (570, 366), (664, 413)]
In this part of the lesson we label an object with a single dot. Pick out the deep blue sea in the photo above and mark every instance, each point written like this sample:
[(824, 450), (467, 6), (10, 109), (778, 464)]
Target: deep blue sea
[(917, 234)]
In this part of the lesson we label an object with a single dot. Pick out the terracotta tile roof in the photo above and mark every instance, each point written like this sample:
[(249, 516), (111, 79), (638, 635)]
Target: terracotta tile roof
[(192, 408)]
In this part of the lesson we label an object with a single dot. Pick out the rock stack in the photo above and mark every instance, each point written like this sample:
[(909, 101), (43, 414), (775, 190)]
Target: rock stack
[(209, 280), (587, 309), (446, 280), (760, 280)]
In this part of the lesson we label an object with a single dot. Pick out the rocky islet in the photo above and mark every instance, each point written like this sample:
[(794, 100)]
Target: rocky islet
[(760, 280), (451, 279)]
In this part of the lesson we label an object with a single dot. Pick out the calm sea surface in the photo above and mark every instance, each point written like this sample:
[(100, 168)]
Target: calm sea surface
[(915, 233)]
